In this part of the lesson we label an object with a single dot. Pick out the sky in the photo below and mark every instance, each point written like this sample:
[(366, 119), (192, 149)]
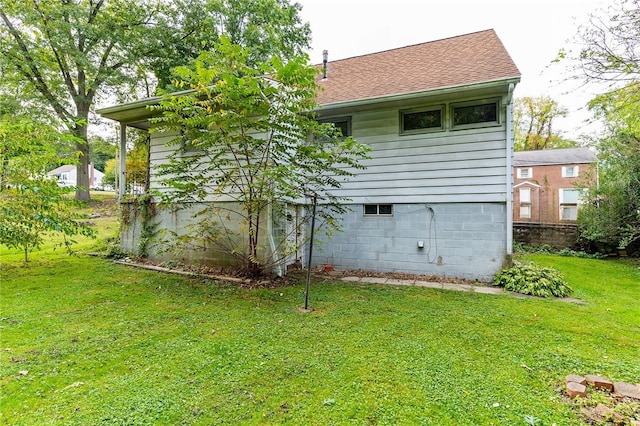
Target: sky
[(533, 32)]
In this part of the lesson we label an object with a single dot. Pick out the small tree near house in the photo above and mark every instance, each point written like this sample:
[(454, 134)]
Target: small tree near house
[(248, 146)]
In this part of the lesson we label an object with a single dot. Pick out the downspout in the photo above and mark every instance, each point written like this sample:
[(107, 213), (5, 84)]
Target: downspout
[(278, 266), (510, 172), (123, 161)]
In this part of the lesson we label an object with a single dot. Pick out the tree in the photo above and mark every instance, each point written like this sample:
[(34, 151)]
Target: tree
[(609, 43), (611, 216), (31, 204), (608, 57), (249, 139), (68, 50), (267, 27), (533, 124), (101, 151), (71, 52)]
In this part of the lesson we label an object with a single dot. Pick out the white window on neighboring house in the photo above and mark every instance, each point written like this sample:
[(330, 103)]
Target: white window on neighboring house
[(569, 171), (525, 203), (525, 173), (64, 176), (569, 199)]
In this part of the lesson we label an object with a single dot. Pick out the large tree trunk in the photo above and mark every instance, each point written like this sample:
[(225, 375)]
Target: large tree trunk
[(82, 193)]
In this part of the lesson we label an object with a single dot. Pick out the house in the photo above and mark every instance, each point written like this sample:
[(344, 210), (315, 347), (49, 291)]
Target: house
[(436, 196), (548, 183), (67, 175)]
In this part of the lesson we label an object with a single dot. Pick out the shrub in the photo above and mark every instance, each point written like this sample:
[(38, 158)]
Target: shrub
[(533, 280)]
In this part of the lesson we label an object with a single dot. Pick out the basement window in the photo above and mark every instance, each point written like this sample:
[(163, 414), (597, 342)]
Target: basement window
[(378, 210)]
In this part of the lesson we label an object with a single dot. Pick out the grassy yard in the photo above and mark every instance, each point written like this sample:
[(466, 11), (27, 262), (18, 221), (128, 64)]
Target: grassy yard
[(86, 342)]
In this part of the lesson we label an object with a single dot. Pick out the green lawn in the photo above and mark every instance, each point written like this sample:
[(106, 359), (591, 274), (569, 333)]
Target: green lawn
[(85, 341)]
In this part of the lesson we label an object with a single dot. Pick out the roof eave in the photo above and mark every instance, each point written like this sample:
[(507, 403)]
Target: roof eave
[(429, 92), (136, 111)]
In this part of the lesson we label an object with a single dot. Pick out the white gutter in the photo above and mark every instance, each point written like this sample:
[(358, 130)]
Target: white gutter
[(432, 92)]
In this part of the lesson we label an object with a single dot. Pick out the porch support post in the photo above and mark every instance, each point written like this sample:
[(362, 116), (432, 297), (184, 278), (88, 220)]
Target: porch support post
[(123, 161)]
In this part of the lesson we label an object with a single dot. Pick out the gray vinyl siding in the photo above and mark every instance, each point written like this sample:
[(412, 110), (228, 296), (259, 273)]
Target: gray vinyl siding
[(159, 152), (450, 166)]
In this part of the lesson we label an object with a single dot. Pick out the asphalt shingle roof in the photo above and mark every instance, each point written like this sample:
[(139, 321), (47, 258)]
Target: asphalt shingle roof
[(553, 156), (457, 61)]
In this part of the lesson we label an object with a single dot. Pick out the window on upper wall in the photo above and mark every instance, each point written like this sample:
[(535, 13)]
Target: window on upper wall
[(341, 123), (378, 210), (524, 173), (421, 120), (569, 171), (472, 114)]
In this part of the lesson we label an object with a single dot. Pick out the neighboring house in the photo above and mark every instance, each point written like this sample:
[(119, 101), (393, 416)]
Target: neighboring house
[(548, 184), (435, 198), (67, 175)]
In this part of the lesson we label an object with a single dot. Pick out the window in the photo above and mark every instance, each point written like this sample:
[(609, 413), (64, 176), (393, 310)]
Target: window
[(525, 173), (570, 171), (569, 204), (422, 120), (569, 213), (475, 114), (569, 196), (378, 210), (343, 124), (525, 203)]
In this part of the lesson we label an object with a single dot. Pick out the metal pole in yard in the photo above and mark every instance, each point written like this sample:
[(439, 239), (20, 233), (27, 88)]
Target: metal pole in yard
[(313, 224)]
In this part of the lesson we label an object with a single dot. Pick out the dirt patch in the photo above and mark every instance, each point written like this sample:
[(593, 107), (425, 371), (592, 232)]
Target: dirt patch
[(294, 276)]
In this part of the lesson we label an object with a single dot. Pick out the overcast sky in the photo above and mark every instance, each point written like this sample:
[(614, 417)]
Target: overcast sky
[(533, 31)]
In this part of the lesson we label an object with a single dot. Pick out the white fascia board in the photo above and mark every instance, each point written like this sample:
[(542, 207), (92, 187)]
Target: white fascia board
[(416, 95)]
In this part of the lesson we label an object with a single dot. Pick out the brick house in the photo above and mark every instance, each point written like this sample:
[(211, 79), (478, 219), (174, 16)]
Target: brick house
[(548, 183)]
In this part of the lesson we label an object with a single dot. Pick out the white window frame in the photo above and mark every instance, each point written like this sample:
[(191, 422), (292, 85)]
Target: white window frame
[(529, 172), (525, 203), (574, 173), (525, 211), (377, 213), (571, 208), (562, 195)]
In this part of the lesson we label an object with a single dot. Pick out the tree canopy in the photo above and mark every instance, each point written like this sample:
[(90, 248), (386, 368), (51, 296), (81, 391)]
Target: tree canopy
[(610, 58), (69, 53), (533, 124)]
